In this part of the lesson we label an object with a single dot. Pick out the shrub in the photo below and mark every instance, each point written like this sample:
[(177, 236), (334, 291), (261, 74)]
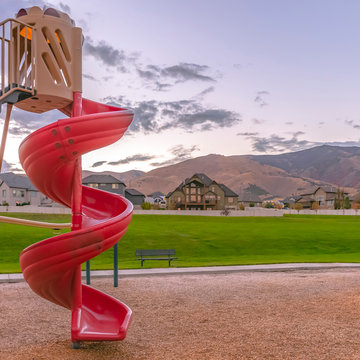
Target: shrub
[(146, 206), (251, 204), (241, 207)]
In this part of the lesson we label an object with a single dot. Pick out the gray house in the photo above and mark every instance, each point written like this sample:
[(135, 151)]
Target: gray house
[(18, 190), (106, 183), (136, 197)]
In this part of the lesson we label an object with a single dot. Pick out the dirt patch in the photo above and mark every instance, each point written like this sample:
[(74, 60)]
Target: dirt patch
[(278, 315)]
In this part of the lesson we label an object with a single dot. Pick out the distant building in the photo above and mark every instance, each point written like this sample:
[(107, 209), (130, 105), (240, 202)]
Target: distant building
[(201, 193), (247, 198), (17, 190), (105, 182), (136, 197), (155, 198), (324, 196)]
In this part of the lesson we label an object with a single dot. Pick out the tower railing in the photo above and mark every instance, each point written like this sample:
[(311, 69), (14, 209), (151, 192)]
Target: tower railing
[(17, 61)]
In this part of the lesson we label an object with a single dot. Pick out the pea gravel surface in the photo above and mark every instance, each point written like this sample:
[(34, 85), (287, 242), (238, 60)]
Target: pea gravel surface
[(254, 315)]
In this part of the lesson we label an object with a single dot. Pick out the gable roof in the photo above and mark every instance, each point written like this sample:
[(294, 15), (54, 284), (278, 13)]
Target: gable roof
[(17, 181), (227, 191), (101, 179), (248, 197), (204, 178), (134, 192), (156, 194)]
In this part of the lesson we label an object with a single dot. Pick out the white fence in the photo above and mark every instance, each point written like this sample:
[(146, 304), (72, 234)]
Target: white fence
[(255, 211)]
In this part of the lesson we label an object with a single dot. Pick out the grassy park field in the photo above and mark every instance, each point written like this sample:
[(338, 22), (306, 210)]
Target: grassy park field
[(207, 241)]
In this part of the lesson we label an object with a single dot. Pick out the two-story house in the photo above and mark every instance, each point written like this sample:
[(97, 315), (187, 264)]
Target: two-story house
[(201, 193), (105, 182), (324, 196), (17, 189)]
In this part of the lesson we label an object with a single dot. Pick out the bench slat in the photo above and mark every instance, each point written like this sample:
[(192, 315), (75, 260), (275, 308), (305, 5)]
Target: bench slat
[(155, 252)]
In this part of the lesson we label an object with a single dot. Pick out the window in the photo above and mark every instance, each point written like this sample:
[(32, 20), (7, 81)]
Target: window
[(198, 190), (193, 198), (230, 200), (178, 199), (193, 191), (199, 198), (213, 188), (219, 197), (187, 190), (4, 193), (18, 193), (187, 198), (93, 185), (114, 186), (102, 185)]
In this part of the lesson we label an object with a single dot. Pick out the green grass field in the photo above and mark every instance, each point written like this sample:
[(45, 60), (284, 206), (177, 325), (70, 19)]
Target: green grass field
[(206, 241)]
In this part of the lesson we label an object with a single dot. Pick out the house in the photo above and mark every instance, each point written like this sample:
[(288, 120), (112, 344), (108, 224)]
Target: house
[(136, 197), (247, 198), (324, 196), (105, 182), (155, 198), (202, 193), (18, 190)]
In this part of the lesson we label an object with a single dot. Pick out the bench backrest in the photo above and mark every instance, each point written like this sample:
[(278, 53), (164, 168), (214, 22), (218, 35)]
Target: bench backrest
[(168, 252)]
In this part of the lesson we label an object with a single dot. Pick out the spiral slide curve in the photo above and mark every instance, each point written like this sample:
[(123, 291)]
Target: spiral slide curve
[(50, 157)]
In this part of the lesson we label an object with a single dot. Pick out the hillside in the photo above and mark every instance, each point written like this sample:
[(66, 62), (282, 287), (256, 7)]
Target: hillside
[(126, 177), (278, 175), (332, 164), (237, 172)]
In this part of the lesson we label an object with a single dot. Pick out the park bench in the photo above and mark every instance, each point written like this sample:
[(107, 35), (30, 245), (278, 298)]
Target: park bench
[(160, 254)]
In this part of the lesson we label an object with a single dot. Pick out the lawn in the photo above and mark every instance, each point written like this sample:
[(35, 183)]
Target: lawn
[(206, 241)]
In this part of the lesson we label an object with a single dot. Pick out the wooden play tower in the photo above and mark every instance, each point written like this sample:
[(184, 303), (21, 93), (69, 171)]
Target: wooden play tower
[(40, 62)]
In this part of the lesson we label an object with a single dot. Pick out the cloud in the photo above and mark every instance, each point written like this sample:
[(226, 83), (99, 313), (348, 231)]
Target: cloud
[(289, 123), (190, 115), (257, 121), (64, 7), (247, 134), (23, 122), (107, 54), (10, 167), (132, 158), (98, 163), (163, 78), (276, 143), (90, 77), (259, 98), (352, 124), (180, 153)]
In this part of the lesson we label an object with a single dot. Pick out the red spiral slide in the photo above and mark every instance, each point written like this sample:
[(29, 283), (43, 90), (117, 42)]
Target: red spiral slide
[(51, 157)]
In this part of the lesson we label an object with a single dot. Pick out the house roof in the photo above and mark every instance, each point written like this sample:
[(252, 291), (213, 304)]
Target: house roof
[(101, 179), (204, 178), (133, 192), (248, 197), (227, 191), (17, 181), (156, 194)]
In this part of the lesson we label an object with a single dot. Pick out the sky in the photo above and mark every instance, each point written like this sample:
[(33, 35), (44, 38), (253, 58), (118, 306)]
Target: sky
[(228, 77)]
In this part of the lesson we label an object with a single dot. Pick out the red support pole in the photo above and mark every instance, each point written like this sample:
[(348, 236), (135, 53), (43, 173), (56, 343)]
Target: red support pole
[(5, 132), (76, 201)]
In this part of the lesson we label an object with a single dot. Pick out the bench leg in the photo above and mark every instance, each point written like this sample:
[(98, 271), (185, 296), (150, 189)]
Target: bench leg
[(142, 262), (169, 263)]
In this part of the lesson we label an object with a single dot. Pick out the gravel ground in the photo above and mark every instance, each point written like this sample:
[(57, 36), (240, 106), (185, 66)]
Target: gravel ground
[(272, 315)]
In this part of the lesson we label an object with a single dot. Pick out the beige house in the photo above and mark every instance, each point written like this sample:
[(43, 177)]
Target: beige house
[(324, 196), (18, 190), (201, 193)]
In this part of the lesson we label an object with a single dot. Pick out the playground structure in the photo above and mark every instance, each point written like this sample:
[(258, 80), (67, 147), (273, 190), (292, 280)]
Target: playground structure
[(40, 68)]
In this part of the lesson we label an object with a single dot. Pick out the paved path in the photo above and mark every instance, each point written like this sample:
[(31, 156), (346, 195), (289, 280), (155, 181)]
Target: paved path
[(10, 278)]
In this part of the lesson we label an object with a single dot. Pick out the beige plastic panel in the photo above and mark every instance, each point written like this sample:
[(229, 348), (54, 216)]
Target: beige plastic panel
[(57, 48)]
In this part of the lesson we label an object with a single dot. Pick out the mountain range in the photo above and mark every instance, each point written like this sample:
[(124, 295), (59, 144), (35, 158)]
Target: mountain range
[(265, 175)]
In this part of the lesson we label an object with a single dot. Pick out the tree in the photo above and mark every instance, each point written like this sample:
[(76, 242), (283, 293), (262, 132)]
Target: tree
[(315, 206), (298, 207), (347, 204), (339, 202)]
